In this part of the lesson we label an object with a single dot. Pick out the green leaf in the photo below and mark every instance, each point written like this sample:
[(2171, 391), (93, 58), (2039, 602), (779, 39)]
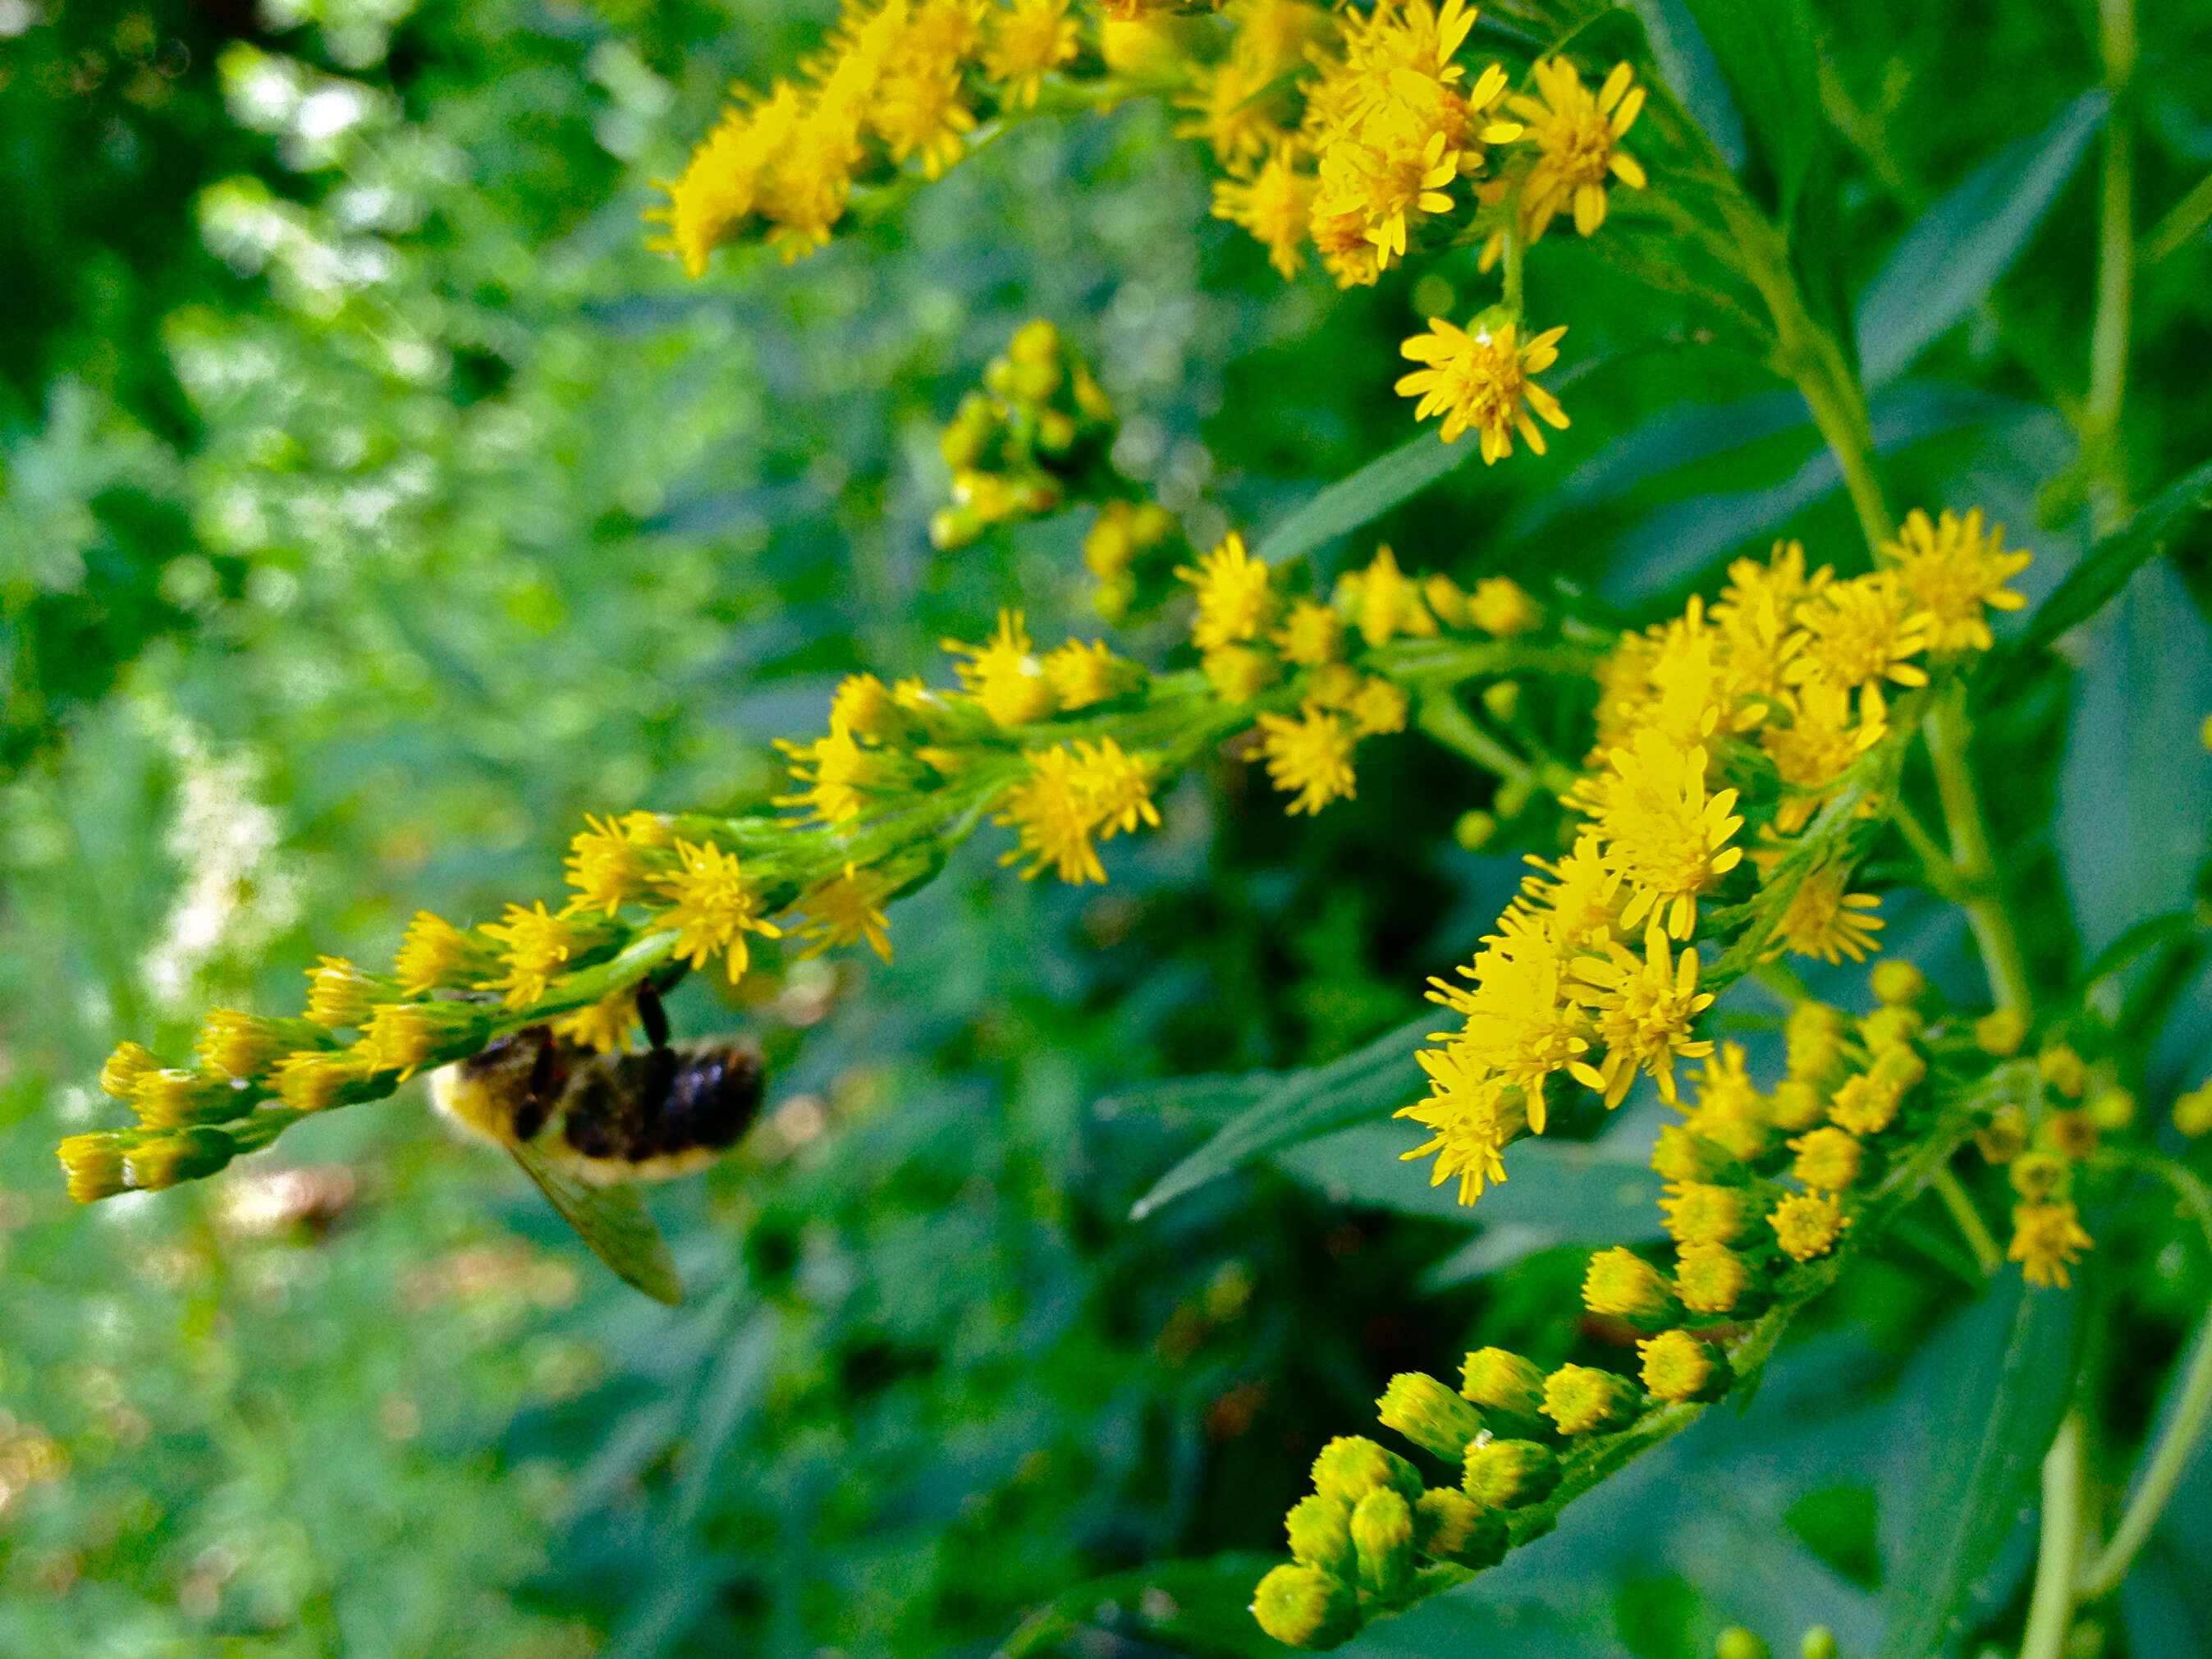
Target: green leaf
[(1766, 49), (1686, 59), (1949, 260), (2094, 582), (1300, 1105), (1992, 1412), (2134, 788), (1366, 495), (1190, 1607), (1573, 1190)]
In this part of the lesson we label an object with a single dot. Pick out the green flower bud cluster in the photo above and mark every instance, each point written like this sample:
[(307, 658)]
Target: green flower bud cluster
[(1372, 1536), (1035, 436)]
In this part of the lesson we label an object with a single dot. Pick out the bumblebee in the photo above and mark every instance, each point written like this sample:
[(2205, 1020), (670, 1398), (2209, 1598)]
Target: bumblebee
[(586, 1126)]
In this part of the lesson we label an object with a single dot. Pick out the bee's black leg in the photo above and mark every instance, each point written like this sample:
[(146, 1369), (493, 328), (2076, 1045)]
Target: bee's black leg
[(539, 1092), (655, 1016)]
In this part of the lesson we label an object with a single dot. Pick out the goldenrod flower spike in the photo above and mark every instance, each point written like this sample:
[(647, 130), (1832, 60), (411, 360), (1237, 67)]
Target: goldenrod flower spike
[(1479, 380)]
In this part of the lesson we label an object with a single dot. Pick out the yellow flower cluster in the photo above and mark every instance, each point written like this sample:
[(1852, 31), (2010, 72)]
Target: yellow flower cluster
[(1593, 971), (901, 81), (2075, 1102), (1254, 639)]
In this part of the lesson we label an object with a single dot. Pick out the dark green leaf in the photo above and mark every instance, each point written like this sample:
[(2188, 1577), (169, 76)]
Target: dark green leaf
[(1686, 58), (2094, 582), (1366, 495), (1765, 50), (1947, 263), (2134, 788), (1991, 1414), (1301, 1105), (1190, 1607), (1572, 1190)]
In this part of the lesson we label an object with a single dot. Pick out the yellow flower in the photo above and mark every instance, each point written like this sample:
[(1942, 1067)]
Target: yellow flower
[(1376, 708), (2046, 1240), (712, 908), (720, 187), (316, 1082), (1820, 744), (1579, 138), (406, 1036), (1521, 1025), (1463, 1112), (810, 175), (1866, 1104), (1663, 832), (1275, 206), (1004, 674), (1643, 1012), (1858, 634), (603, 1027), (1952, 573), (844, 911), (1235, 111), (1499, 606), (119, 1074), (1583, 1399), (339, 993), (1081, 675), (1241, 672), (436, 955), (1583, 898), (867, 707), (1030, 39), (1383, 601), (1073, 794), (1622, 1284), (1807, 1224), (1310, 757), (1824, 920), (1313, 633), (1272, 35), (535, 948), (608, 860), (1481, 380), (1235, 601)]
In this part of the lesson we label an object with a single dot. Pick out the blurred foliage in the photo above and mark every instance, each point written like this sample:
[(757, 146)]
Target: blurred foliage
[(374, 505)]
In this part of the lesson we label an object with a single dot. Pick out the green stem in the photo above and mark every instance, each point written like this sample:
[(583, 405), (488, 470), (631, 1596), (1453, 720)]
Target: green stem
[(2184, 1431), (1935, 864), (1443, 718), (2116, 255), (1840, 413), (1513, 262), (1971, 1227), (1947, 733), (2050, 1611)]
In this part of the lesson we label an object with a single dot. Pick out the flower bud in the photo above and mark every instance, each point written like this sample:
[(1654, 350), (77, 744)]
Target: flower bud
[(120, 1076), (339, 993), (2072, 1135), (1807, 1224), (1349, 1467), (1865, 1105), (1583, 1399), (1429, 1415), (1499, 606), (1699, 1213), (1797, 1104), (1501, 698), (1710, 1278), (1827, 1159), (1304, 1608), (1818, 1643), (1677, 1367), (2001, 1033), (1899, 1067), (2192, 1112), (1382, 1541), (1682, 1156), (1502, 1381), (189, 1154), (1814, 1034), (94, 1166), (1240, 672), (1450, 1526), (1447, 603), (1321, 1534), (1897, 981), (2038, 1175), (1475, 830), (1888, 1026), (1623, 1284), (1507, 1475), (2112, 1109), (2063, 1070), (2002, 1139), (1035, 341), (174, 1095), (1737, 1642)]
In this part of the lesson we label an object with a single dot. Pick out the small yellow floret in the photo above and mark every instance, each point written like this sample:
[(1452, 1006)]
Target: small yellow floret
[(1310, 757), (1005, 675), (1710, 1279), (1582, 1399), (1676, 1365), (712, 906), (1954, 574), (2046, 1240), (1479, 380), (1807, 1224), (1235, 601)]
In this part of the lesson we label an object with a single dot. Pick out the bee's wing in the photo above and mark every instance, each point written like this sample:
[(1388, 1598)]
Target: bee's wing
[(613, 1221)]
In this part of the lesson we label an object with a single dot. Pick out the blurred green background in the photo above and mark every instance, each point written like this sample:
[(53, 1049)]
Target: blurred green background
[(373, 505)]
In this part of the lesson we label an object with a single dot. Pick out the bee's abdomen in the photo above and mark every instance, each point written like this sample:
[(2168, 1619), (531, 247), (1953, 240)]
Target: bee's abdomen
[(642, 1108)]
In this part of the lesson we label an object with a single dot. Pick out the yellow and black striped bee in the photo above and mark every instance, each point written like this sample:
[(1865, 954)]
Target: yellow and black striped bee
[(586, 1126)]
